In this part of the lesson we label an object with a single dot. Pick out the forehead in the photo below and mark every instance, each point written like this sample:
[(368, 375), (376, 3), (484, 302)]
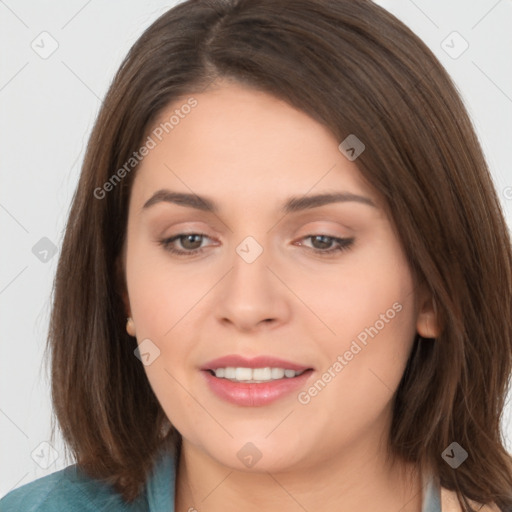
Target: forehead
[(238, 141)]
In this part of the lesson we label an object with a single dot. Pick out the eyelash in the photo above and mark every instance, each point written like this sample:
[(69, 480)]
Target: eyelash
[(343, 244)]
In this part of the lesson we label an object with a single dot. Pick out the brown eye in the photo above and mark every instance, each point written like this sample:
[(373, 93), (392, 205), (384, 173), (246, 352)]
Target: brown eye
[(190, 242), (323, 244)]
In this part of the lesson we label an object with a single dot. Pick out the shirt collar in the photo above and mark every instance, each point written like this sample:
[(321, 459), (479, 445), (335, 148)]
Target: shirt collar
[(161, 484), (431, 494)]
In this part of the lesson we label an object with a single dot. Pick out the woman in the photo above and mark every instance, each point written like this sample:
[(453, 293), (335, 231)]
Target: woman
[(285, 282)]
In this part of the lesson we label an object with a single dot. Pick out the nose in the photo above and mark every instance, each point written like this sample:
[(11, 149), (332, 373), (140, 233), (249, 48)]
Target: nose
[(251, 296)]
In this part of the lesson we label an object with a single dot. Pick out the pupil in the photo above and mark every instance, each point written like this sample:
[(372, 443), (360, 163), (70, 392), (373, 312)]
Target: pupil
[(323, 244), (189, 238)]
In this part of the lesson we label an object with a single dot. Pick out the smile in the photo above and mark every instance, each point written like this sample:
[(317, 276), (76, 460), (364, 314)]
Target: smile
[(255, 375)]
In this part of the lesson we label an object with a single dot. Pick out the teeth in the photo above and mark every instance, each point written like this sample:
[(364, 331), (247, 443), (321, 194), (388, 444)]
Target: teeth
[(243, 374), (277, 373), (252, 375)]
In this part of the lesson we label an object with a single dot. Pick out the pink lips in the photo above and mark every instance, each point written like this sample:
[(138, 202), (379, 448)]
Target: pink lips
[(253, 394)]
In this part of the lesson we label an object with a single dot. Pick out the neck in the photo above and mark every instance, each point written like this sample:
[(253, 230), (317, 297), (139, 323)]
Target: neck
[(352, 480)]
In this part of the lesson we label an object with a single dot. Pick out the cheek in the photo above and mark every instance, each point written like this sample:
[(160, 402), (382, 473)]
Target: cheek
[(159, 295), (375, 357), (367, 359), (351, 295), (162, 301), (369, 305)]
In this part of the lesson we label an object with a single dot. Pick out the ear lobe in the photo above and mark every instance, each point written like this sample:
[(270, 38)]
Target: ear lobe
[(427, 323)]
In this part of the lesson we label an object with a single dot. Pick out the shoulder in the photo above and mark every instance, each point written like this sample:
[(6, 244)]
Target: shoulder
[(64, 490), (450, 503)]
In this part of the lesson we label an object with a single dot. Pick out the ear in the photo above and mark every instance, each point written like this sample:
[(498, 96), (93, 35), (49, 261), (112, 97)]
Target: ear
[(427, 322)]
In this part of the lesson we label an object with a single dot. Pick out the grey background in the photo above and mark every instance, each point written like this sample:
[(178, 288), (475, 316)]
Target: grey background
[(48, 106)]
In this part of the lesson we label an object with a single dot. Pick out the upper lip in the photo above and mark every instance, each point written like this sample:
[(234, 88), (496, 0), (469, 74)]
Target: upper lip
[(264, 361)]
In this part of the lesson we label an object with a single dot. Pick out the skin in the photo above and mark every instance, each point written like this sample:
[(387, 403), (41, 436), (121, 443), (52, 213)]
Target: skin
[(249, 152)]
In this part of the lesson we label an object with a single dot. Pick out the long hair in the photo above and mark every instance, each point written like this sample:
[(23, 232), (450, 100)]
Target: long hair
[(356, 69)]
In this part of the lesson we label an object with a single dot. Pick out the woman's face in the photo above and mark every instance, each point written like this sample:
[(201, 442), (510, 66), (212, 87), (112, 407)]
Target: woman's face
[(258, 289)]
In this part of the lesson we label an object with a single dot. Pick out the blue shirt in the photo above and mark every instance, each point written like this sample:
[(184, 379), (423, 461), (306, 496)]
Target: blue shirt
[(70, 489)]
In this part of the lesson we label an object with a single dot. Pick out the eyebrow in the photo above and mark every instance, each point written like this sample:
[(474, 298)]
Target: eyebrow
[(291, 205)]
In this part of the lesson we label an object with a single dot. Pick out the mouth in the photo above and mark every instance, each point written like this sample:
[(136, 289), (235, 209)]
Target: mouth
[(254, 382), (255, 375), (255, 393), (243, 365)]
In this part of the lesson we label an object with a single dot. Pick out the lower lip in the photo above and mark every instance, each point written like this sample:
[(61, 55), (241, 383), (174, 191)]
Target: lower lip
[(254, 395)]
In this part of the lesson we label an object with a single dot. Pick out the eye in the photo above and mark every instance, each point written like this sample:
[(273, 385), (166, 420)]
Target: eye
[(320, 243), (191, 242)]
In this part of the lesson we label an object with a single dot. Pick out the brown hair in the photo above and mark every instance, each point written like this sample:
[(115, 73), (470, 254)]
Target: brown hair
[(356, 69)]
